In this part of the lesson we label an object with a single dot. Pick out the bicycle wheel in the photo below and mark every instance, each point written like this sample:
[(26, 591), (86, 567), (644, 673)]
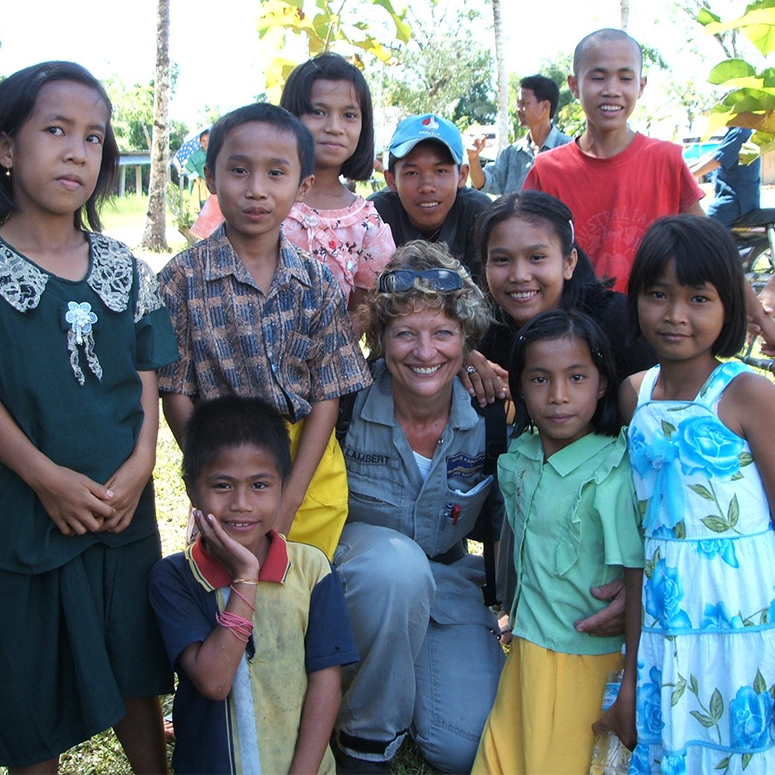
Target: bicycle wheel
[(758, 266)]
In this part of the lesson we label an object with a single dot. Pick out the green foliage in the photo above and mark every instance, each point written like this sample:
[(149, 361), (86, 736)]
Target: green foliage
[(443, 69), (477, 105), (447, 77), (133, 115), (750, 101), (569, 117)]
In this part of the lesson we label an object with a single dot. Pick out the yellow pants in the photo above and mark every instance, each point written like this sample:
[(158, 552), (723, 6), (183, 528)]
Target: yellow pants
[(541, 721), (321, 517)]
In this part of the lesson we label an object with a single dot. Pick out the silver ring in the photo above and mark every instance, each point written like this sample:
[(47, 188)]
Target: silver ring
[(470, 370)]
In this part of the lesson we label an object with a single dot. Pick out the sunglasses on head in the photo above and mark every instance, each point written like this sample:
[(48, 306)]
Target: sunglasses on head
[(400, 280)]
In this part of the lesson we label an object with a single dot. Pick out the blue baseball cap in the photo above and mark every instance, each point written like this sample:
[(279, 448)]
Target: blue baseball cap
[(416, 129)]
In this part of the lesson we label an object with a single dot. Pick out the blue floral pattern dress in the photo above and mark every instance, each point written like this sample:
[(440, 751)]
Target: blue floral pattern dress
[(706, 662)]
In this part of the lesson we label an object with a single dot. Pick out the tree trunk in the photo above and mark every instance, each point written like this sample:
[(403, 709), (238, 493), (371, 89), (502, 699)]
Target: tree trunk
[(503, 81), (624, 13), (154, 232)]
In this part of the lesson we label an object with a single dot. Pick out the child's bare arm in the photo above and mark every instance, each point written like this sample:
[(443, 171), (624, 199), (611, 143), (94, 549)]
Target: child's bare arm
[(74, 502), (628, 397), (767, 296), (178, 409), (748, 408), (474, 162), (321, 704), (318, 426), (765, 325), (620, 717), (695, 208), (129, 480), (212, 665)]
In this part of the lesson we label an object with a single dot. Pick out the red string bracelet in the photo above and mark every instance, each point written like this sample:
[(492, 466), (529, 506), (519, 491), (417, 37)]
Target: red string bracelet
[(240, 627)]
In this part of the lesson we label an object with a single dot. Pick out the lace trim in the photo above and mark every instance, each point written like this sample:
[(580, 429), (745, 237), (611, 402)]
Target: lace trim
[(111, 274), (149, 297), (21, 283)]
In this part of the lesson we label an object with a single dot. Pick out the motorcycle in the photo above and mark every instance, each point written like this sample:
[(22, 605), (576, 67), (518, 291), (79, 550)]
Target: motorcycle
[(754, 235)]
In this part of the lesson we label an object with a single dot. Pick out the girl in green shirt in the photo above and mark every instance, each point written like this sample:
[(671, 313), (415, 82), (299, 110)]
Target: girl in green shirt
[(569, 498)]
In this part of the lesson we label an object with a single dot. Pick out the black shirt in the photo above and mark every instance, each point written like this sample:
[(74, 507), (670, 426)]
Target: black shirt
[(457, 231)]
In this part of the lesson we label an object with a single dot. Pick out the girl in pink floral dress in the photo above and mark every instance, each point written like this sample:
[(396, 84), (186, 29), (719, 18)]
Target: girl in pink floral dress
[(342, 229)]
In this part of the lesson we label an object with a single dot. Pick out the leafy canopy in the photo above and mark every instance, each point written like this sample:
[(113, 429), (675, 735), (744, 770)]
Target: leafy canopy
[(750, 101)]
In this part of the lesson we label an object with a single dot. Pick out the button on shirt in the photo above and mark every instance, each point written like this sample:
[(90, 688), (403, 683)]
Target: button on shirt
[(291, 347), (508, 172), (575, 519), (386, 488)]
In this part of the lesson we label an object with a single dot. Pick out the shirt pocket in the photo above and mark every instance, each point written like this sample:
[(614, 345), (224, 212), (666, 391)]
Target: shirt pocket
[(378, 503), (458, 514)]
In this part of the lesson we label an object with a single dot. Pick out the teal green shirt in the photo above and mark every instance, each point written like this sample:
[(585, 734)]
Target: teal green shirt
[(576, 525)]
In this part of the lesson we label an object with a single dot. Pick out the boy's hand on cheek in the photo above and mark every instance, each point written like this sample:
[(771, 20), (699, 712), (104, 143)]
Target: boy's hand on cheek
[(238, 560)]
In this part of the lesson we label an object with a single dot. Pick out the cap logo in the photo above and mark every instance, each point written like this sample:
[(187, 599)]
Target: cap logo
[(430, 123)]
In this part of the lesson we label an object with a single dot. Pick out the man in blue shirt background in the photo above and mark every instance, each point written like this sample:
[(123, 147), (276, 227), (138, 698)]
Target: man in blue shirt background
[(736, 185), (538, 98)]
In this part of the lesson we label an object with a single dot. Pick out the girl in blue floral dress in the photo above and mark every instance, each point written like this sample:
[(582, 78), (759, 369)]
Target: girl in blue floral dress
[(703, 460)]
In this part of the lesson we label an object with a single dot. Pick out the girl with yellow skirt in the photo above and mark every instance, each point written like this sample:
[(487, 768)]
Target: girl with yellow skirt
[(570, 501)]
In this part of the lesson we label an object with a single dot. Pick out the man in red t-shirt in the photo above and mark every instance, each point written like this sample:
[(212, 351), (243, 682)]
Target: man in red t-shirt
[(615, 181)]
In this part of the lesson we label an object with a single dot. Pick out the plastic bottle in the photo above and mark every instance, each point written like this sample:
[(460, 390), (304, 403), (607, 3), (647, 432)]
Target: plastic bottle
[(610, 756)]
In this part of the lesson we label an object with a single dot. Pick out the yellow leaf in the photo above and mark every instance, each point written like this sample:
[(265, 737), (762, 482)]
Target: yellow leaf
[(277, 71), (278, 13), (718, 121)]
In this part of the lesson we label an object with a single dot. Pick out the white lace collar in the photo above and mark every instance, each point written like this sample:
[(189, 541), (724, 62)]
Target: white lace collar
[(22, 283)]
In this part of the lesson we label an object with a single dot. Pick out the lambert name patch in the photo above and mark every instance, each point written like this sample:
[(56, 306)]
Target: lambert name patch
[(367, 458)]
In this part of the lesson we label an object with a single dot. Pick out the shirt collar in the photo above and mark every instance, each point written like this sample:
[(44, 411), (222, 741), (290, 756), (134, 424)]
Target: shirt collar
[(379, 406), (551, 138), (212, 575), (222, 260), (548, 144), (571, 457)]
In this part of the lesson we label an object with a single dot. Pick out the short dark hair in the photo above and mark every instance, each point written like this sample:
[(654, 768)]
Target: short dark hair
[(540, 208), (704, 252), (570, 324), (333, 67), (233, 421), (263, 113), (392, 160), (18, 95), (544, 89), (605, 34)]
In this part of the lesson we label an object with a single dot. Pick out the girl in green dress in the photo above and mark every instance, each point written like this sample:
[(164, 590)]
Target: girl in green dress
[(82, 329)]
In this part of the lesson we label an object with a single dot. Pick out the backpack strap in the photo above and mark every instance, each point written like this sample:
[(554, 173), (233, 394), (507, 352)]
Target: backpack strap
[(495, 445)]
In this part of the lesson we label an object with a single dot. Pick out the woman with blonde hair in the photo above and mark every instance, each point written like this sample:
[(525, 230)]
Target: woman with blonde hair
[(415, 454)]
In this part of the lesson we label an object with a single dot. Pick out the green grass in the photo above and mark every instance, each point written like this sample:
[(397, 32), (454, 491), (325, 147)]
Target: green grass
[(124, 218)]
